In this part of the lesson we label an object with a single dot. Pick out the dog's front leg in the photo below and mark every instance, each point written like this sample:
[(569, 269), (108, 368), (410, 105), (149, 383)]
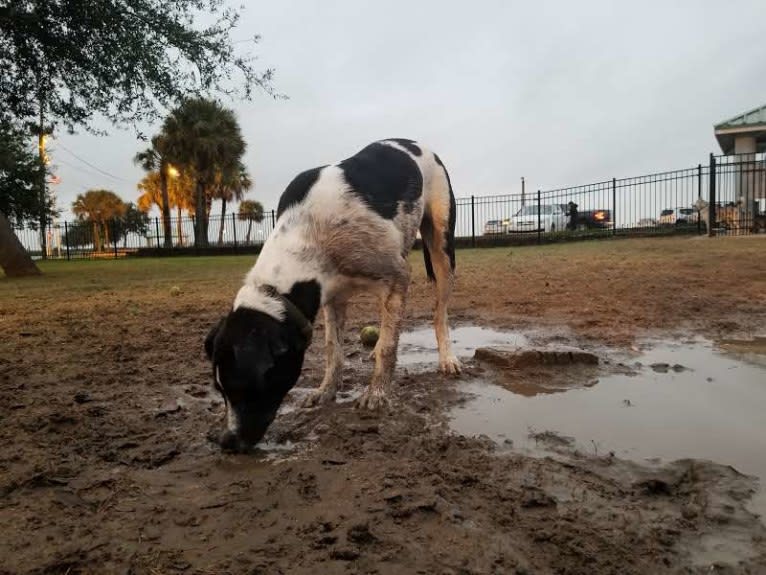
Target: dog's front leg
[(334, 319), (392, 312)]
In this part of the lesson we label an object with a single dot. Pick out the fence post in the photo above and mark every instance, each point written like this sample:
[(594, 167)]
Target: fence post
[(66, 239), (711, 199), (157, 229), (614, 206), (273, 220), (699, 197), (473, 224), (234, 229), (539, 231)]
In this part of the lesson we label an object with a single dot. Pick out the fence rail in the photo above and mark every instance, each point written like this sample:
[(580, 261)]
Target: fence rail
[(725, 195)]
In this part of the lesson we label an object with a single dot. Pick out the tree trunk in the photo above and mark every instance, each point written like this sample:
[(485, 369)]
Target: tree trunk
[(200, 232), (106, 236), (249, 227), (180, 228), (14, 259), (165, 207), (96, 237), (223, 221)]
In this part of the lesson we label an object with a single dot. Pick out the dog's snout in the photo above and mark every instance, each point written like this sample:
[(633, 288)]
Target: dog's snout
[(230, 441)]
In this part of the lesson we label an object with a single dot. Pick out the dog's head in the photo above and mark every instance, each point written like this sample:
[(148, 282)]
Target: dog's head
[(256, 360)]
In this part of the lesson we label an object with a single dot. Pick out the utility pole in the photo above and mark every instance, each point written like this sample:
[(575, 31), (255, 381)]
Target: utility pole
[(43, 197), (523, 193)]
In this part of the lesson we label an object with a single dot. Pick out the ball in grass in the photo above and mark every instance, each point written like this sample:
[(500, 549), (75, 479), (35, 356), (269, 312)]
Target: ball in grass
[(369, 336), (175, 290)]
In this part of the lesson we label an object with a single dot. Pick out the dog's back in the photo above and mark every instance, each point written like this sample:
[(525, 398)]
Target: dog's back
[(359, 218)]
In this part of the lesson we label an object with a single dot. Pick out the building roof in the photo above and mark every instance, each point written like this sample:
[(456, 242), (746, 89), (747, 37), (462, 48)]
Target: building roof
[(752, 123)]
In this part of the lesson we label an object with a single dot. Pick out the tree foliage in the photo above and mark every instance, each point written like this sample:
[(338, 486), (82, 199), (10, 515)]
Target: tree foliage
[(80, 232), (251, 210), (19, 176), (123, 59), (133, 221), (100, 208)]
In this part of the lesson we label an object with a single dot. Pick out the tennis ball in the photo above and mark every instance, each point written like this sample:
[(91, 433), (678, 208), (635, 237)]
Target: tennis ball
[(369, 335), (175, 290)]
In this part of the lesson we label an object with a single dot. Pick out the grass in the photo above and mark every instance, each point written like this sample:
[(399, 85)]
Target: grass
[(83, 276), (222, 275)]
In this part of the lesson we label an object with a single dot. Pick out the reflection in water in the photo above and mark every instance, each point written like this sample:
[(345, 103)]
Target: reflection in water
[(712, 410)]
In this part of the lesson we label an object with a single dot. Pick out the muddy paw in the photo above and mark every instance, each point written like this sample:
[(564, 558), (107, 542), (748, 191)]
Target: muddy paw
[(450, 366), (373, 400), (318, 397)]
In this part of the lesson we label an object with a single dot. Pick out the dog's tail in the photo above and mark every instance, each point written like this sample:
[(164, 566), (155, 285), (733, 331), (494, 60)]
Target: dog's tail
[(430, 229)]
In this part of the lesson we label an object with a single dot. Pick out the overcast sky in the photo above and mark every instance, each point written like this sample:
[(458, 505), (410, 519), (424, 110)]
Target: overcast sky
[(563, 93)]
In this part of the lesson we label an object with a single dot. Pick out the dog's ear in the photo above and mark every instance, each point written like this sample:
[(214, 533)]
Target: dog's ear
[(210, 339), (259, 353)]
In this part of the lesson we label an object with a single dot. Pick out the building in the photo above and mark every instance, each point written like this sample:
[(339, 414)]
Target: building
[(744, 138)]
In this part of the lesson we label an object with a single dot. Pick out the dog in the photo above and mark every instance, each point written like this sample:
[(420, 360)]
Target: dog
[(341, 229)]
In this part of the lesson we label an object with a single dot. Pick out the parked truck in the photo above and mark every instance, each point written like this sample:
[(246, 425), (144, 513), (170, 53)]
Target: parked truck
[(587, 219)]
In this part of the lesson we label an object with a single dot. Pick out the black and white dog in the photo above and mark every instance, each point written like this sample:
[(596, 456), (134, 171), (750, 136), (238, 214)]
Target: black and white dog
[(341, 229)]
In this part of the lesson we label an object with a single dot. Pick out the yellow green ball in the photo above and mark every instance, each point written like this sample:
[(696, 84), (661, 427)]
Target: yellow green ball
[(369, 336)]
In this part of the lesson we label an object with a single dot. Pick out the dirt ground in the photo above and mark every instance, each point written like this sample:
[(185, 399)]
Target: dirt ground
[(107, 409)]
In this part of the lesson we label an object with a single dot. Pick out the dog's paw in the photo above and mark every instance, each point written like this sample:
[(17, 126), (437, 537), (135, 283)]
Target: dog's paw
[(373, 400), (450, 365), (318, 397)]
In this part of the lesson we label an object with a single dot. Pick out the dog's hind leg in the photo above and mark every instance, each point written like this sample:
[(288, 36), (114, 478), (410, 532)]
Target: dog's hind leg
[(448, 363), (334, 320), (438, 232), (392, 310)]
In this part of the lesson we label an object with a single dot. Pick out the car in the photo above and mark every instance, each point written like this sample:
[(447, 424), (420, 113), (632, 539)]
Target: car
[(678, 216), (495, 227), (552, 218)]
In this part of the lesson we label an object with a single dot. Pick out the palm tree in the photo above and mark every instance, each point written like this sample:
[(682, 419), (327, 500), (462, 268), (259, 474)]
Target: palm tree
[(204, 136), (180, 186), (99, 207), (252, 211), (230, 187), (155, 158)]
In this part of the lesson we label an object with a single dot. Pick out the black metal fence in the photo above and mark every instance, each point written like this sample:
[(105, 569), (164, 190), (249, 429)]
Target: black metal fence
[(726, 195)]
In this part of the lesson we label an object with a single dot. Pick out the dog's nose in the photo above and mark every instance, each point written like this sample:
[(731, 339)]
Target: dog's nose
[(229, 441)]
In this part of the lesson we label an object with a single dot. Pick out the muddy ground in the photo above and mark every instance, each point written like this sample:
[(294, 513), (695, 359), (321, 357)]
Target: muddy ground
[(106, 410)]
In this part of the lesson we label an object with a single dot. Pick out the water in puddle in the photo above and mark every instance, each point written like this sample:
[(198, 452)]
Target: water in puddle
[(419, 346), (715, 409)]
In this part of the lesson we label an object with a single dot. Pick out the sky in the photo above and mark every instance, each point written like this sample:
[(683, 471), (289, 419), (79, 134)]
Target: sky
[(562, 93)]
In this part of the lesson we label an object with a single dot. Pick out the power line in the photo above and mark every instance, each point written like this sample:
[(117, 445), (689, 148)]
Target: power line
[(78, 168), (87, 163)]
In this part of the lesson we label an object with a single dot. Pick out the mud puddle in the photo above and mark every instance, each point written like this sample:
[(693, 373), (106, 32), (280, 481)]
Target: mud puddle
[(685, 400), (418, 347)]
